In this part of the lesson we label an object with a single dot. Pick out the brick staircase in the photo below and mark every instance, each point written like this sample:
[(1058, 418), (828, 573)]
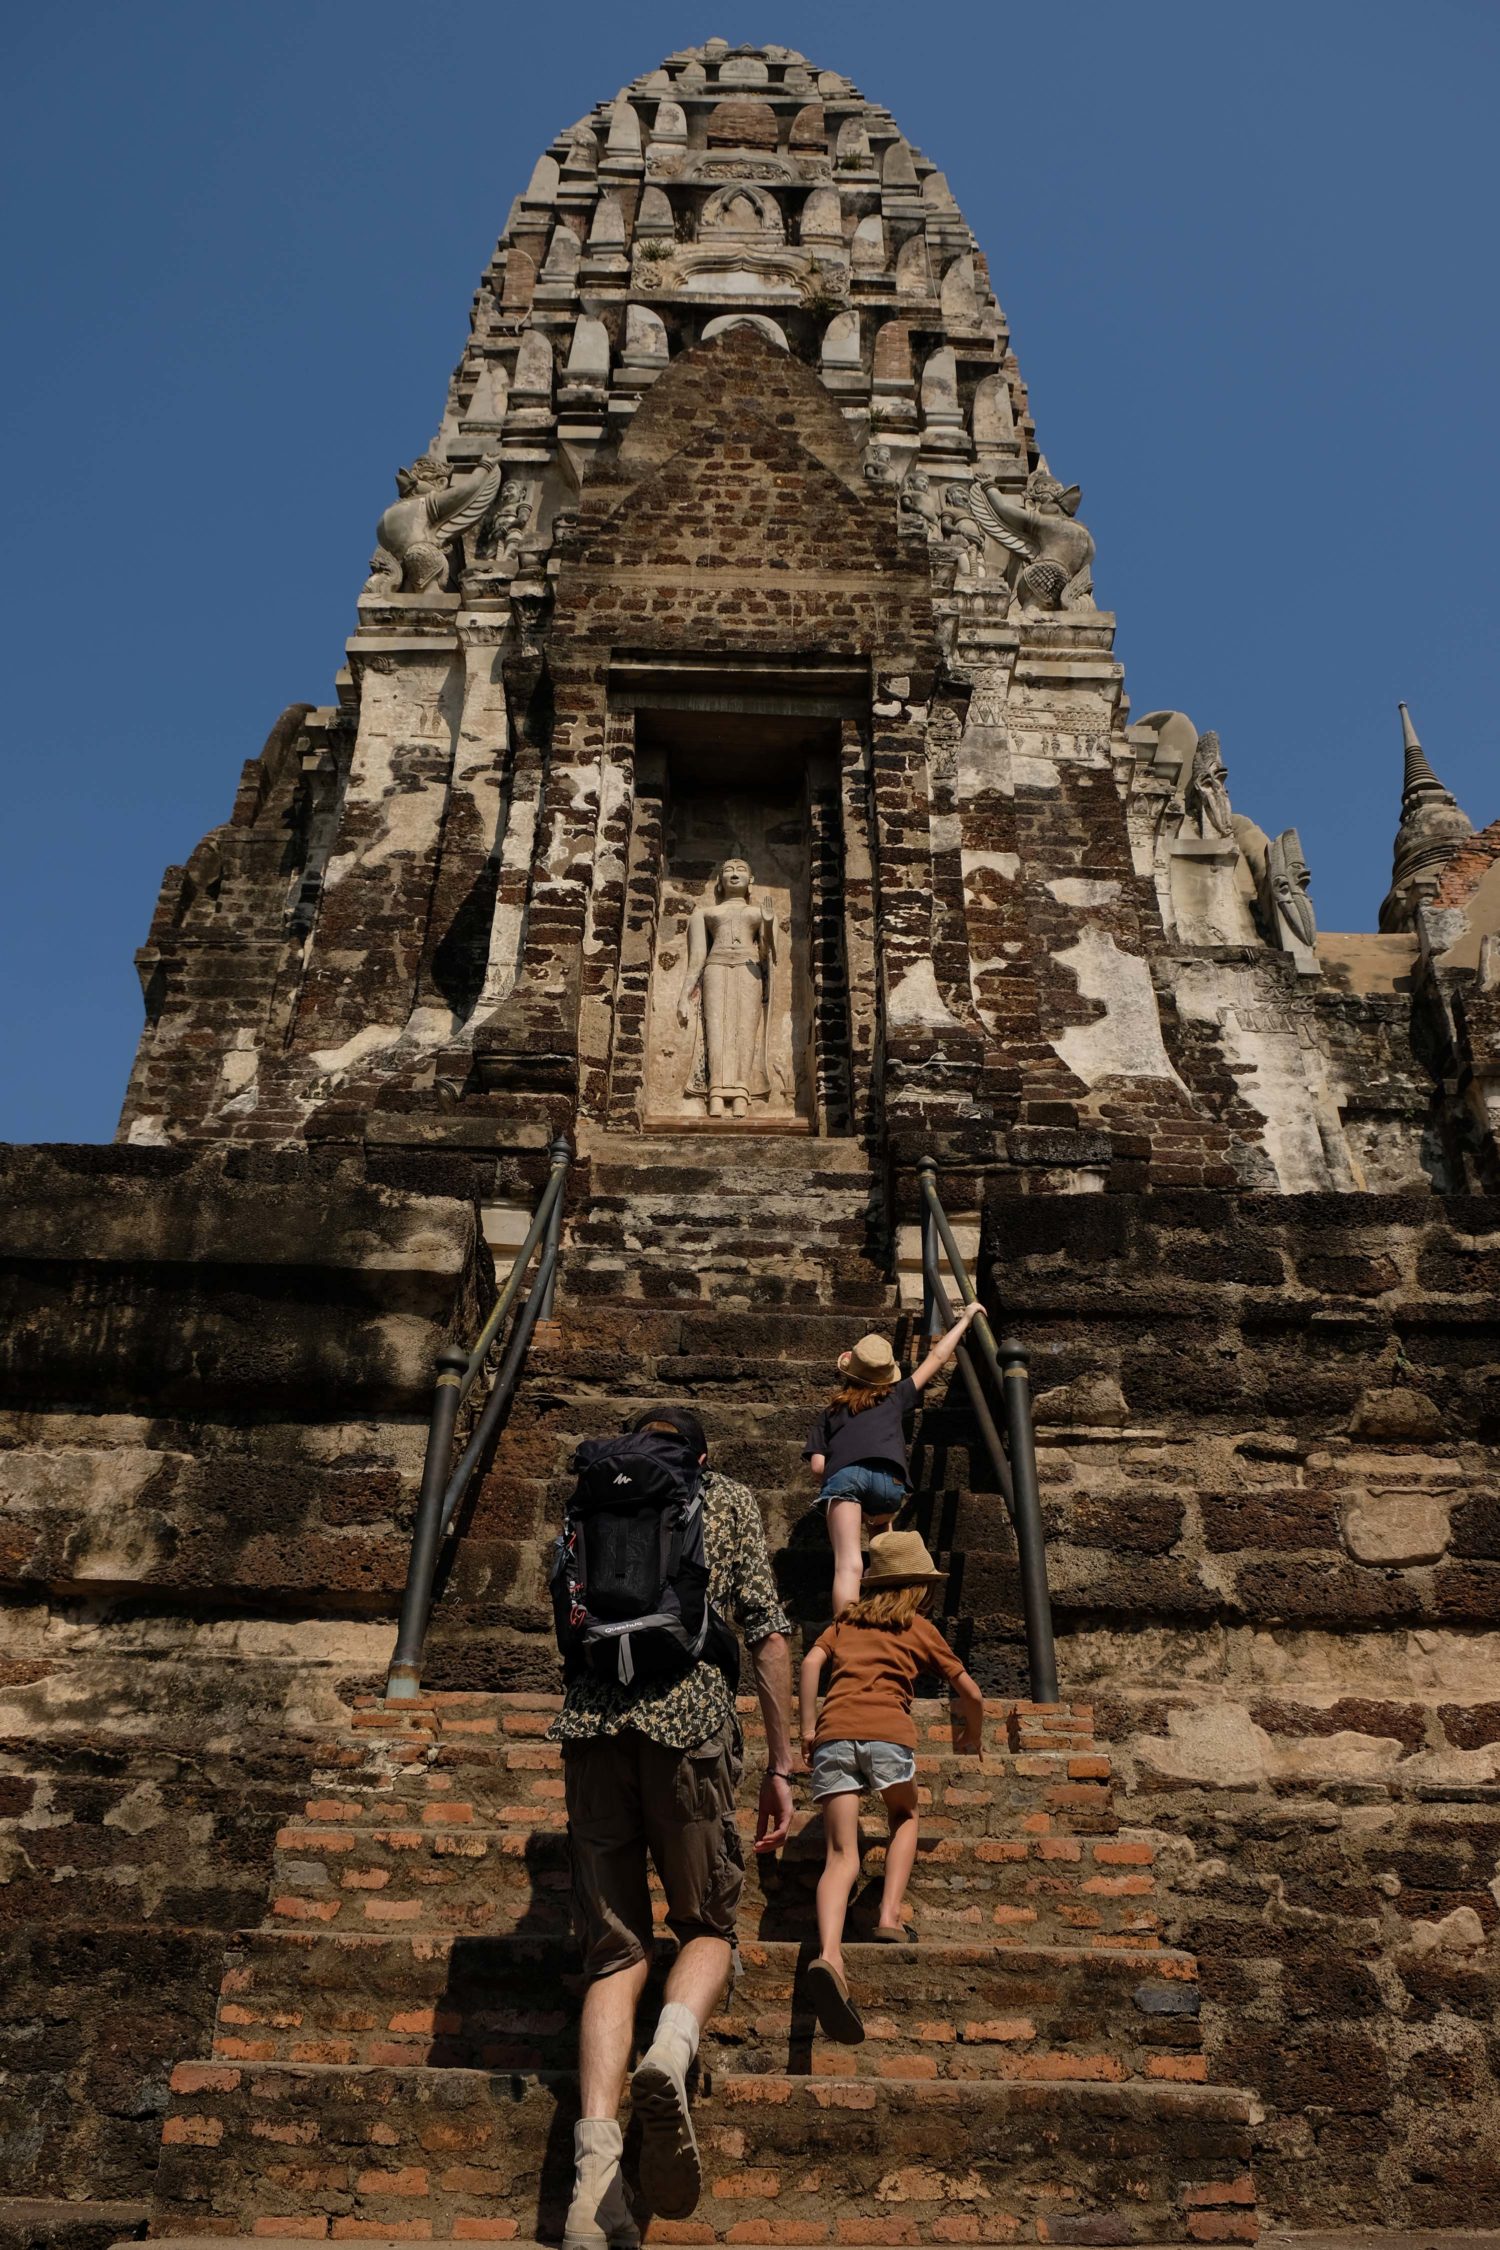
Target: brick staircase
[(393, 2045), (743, 1219)]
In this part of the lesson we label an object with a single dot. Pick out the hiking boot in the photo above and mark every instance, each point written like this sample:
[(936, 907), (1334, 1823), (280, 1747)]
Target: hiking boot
[(671, 2180), (598, 2216)]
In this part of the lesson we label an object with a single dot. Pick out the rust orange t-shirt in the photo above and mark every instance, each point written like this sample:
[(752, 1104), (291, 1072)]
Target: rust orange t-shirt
[(870, 1676)]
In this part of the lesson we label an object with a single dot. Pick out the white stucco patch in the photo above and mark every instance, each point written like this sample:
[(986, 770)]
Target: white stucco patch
[(1126, 1040), (1007, 865), (1031, 770), (1083, 890), (916, 999), (332, 1060)]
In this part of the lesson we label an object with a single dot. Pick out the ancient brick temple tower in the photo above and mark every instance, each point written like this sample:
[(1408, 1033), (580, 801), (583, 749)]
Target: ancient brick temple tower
[(731, 770)]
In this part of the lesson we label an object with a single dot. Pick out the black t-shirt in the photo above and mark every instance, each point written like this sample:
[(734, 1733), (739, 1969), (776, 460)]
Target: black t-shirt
[(876, 1436)]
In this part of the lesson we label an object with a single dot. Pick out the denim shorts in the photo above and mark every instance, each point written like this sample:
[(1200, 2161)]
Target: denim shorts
[(879, 1492), (841, 1768)]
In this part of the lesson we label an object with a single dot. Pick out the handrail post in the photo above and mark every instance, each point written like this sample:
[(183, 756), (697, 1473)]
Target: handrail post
[(404, 1676), (1036, 1600), (929, 1268)]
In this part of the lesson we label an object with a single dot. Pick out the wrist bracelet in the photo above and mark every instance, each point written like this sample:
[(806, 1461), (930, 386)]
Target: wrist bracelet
[(774, 1773)]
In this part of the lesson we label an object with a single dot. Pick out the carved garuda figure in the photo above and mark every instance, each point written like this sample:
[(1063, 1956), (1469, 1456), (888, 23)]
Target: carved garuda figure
[(1055, 553), (416, 531), (1206, 794)]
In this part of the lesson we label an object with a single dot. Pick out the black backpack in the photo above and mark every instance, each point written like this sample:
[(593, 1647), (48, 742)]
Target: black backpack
[(629, 1575)]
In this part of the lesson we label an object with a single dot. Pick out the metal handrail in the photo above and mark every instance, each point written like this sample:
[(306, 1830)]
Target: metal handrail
[(444, 1484), (1006, 1366)]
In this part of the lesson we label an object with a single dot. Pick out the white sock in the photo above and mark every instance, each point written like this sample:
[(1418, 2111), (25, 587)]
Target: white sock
[(676, 2040)]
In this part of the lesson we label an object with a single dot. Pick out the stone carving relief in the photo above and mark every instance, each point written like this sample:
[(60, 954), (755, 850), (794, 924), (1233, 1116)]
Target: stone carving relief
[(944, 729), (917, 505), (1280, 880), (1206, 797), (757, 321), (1288, 878), (880, 467), (956, 523), (497, 543), (416, 534), (730, 1015), (730, 962), (1053, 554), (742, 210)]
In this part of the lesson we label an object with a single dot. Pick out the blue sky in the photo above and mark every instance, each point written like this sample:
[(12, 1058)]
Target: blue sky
[(1247, 254)]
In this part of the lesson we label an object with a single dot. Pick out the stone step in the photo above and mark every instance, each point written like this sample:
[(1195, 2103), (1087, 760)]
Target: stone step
[(811, 1336), (499, 1782), (495, 1649), (315, 2151), (505, 1579), (695, 1161), (931, 2010), (39, 2222), (1017, 1724), (688, 1280), (727, 1208), (497, 1881)]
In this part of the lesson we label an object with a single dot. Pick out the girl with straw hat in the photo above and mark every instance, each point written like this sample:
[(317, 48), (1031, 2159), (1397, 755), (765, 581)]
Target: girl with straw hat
[(857, 1444), (866, 1739)]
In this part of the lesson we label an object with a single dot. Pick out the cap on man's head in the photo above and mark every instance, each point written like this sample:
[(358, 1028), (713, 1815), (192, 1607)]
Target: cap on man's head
[(682, 1419)]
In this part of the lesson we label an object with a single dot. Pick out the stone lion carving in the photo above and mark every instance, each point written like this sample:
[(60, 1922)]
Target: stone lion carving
[(1055, 553), (417, 531)]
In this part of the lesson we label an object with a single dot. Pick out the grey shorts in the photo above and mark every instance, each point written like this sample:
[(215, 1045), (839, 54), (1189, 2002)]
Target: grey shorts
[(840, 1769)]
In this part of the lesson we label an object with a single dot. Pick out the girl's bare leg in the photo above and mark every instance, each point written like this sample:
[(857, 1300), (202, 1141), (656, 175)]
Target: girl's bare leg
[(845, 1519), (900, 1851), (840, 1874)]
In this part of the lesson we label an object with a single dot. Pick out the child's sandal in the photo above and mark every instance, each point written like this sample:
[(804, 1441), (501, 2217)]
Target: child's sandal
[(897, 1935), (832, 2005)]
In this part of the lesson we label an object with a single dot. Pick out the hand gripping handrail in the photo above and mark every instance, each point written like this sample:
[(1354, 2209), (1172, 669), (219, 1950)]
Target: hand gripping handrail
[(444, 1485), (1006, 1366)]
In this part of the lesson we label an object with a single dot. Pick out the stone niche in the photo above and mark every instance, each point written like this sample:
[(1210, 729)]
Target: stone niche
[(740, 787)]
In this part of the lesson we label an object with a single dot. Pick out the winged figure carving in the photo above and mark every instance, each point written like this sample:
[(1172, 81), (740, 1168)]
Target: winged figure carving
[(417, 531), (1055, 554)]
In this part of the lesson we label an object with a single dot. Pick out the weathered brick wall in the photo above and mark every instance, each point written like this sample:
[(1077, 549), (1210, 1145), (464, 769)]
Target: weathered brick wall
[(214, 1382), (1270, 1470)]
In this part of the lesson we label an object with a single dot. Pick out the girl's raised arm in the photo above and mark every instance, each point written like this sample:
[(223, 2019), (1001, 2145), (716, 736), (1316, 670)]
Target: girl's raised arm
[(943, 1350)]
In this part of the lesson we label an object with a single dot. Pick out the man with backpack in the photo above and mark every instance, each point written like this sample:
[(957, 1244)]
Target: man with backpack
[(657, 1551)]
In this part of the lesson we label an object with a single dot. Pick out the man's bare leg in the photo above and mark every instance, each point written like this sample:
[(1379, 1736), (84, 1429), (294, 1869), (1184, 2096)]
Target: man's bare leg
[(599, 2216), (671, 2179), (605, 2031)]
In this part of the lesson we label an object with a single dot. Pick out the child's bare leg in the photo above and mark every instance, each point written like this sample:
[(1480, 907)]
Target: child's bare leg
[(840, 1874), (844, 1521), (900, 1851)]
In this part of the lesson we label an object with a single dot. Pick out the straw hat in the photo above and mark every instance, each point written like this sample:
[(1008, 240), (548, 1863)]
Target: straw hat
[(872, 1362), (899, 1558)]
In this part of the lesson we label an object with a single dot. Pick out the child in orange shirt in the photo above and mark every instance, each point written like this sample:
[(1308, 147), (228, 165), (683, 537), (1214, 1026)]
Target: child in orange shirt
[(866, 1739)]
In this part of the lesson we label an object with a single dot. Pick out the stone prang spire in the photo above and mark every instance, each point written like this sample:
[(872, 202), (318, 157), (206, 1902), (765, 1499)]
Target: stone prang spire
[(1432, 826)]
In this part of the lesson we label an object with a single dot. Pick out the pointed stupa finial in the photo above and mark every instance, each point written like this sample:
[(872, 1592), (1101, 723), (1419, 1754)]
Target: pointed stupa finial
[(1419, 774), (1432, 828)]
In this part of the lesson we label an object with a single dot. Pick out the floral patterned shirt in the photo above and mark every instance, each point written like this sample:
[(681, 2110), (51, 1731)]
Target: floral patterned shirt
[(682, 1713)]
